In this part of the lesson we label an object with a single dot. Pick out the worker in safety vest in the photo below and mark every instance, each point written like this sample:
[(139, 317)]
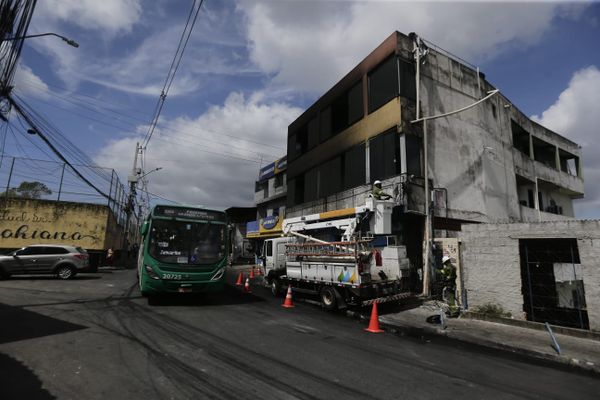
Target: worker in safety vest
[(448, 274), (378, 193)]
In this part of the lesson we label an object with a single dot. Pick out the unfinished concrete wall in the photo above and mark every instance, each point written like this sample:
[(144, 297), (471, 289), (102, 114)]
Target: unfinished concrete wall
[(491, 264)]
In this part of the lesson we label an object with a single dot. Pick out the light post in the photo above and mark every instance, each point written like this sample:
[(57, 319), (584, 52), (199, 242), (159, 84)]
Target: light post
[(427, 247), (70, 42)]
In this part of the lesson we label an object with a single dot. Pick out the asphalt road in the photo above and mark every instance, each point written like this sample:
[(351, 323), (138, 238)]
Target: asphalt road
[(94, 337)]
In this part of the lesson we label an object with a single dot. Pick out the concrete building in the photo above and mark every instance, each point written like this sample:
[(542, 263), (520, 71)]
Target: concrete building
[(270, 200), (489, 163), (544, 272)]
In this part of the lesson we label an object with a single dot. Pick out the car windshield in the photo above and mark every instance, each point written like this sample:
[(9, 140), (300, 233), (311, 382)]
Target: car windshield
[(190, 243)]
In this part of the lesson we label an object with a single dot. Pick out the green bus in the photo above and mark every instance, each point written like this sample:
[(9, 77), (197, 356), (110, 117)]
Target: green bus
[(183, 250)]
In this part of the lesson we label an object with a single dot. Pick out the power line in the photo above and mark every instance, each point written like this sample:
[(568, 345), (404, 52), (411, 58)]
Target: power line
[(173, 69)]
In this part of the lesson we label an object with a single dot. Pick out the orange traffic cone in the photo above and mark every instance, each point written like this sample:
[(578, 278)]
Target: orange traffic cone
[(247, 286), (288, 299), (240, 279), (252, 273), (374, 322)]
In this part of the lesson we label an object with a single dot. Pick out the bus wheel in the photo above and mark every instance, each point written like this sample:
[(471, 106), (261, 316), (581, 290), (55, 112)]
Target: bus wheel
[(328, 298), (275, 287)]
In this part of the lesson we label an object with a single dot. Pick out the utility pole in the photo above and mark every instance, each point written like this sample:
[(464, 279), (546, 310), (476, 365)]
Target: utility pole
[(132, 179)]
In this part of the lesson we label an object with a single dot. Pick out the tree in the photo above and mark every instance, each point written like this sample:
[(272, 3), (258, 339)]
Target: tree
[(29, 190)]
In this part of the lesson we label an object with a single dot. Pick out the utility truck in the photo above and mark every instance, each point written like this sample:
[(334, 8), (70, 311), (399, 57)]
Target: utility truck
[(359, 264)]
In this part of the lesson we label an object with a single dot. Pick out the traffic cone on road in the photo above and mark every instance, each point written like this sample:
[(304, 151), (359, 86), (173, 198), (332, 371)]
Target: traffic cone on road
[(374, 322), (288, 299), (252, 273), (247, 286), (240, 279)]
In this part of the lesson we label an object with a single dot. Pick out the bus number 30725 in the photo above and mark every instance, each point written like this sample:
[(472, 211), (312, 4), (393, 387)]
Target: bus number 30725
[(172, 276)]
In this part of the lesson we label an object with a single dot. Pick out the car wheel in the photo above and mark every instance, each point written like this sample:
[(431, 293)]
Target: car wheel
[(328, 298), (65, 272)]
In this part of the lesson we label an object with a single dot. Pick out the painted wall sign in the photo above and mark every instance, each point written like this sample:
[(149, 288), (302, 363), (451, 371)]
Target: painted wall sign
[(24, 222)]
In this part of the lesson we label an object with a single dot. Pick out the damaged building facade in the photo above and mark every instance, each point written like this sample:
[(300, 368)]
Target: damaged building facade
[(486, 164)]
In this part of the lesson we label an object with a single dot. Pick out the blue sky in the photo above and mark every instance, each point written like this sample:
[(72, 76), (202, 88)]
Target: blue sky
[(251, 67)]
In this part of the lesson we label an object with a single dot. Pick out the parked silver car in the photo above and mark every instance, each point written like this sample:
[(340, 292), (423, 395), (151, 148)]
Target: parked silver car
[(62, 260)]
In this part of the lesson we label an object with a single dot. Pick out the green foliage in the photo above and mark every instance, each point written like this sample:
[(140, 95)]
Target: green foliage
[(492, 310), (28, 190)]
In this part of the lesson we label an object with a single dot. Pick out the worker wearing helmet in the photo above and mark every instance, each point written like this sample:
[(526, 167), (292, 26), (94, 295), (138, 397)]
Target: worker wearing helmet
[(378, 193)]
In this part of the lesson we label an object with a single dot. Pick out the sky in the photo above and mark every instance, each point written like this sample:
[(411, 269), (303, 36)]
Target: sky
[(252, 66)]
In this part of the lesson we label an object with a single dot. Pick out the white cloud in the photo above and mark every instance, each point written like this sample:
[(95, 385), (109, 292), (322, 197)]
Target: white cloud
[(575, 115), (111, 16), (203, 160), (28, 83), (311, 45)]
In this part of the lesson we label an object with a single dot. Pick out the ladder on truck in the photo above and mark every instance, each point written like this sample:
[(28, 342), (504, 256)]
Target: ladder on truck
[(347, 250)]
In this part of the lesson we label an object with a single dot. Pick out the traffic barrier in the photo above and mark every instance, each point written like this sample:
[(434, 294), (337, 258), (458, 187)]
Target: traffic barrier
[(247, 286), (374, 322), (240, 279), (288, 299)]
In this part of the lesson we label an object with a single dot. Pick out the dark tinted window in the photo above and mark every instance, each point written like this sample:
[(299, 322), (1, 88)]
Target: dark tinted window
[(339, 113), (384, 155), (311, 188), (292, 154), (407, 79), (330, 177), (354, 166), (413, 155), (313, 133), (325, 124), (56, 250), (30, 251), (355, 103), (383, 83)]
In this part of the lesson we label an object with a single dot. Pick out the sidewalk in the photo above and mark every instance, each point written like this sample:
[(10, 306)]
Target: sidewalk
[(577, 352)]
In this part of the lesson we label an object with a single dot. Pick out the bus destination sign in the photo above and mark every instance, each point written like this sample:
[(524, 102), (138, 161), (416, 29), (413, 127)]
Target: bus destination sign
[(189, 213)]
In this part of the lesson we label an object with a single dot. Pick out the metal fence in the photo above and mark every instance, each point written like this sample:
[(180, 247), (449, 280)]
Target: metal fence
[(56, 181), (553, 288)]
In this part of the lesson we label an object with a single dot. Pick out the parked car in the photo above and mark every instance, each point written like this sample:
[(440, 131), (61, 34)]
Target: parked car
[(62, 260)]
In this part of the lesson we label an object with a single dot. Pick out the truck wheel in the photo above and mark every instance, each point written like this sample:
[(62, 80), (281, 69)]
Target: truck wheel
[(275, 287), (328, 298)]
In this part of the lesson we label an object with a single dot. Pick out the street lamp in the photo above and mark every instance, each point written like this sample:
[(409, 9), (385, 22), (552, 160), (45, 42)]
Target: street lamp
[(70, 42)]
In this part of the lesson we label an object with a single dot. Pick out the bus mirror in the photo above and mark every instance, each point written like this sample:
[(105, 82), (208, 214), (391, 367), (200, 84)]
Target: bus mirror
[(144, 229)]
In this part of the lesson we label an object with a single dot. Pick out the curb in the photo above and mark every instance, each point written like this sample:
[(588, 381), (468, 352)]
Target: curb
[(532, 355)]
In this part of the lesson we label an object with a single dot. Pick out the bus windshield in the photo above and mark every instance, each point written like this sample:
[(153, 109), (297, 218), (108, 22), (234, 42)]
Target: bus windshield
[(190, 243)]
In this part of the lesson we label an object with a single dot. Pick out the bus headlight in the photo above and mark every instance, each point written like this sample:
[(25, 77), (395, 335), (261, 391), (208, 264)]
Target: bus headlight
[(218, 275), (151, 272)]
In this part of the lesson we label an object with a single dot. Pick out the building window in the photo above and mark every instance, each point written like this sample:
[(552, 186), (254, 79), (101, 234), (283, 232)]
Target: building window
[(325, 124), (355, 103), (278, 180), (383, 83), (384, 155), (311, 185), (569, 163), (413, 155), (407, 79), (520, 138), (330, 177), (544, 152), (354, 167), (313, 133)]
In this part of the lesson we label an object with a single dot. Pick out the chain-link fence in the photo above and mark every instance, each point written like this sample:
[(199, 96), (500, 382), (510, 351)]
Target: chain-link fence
[(51, 180)]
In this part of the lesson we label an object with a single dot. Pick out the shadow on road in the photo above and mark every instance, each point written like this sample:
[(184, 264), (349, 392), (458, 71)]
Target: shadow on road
[(229, 296), (20, 324), (51, 278), (19, 382)]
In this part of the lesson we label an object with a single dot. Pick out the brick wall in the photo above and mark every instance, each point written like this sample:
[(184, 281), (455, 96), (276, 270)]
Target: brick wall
[(492, 270)]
